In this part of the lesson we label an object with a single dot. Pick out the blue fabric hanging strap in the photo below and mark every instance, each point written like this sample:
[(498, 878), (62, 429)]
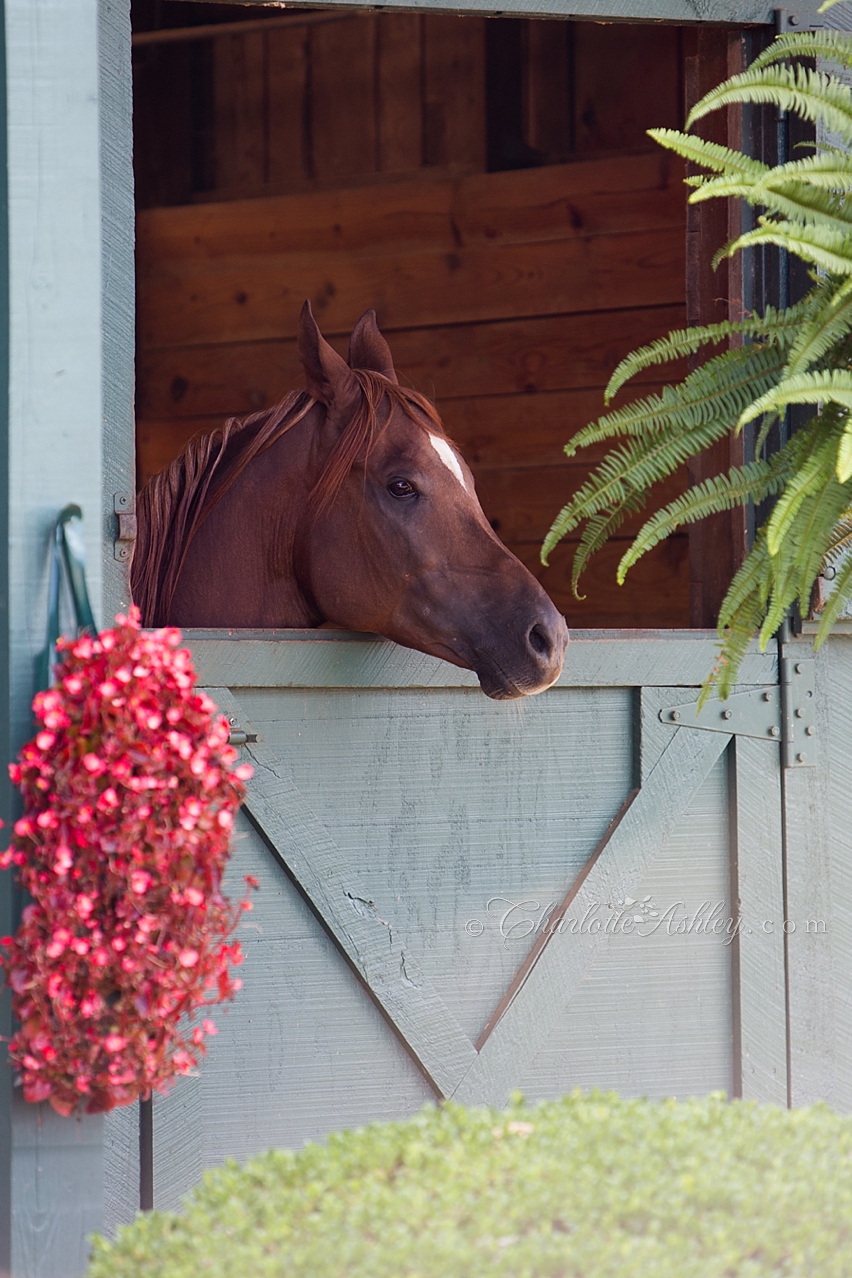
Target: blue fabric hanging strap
[(68, 561)]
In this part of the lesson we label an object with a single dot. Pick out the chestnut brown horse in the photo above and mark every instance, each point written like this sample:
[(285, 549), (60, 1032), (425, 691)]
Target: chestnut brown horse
[(345, 504)]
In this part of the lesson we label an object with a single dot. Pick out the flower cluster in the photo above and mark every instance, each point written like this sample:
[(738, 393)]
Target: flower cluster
[(129, 798)]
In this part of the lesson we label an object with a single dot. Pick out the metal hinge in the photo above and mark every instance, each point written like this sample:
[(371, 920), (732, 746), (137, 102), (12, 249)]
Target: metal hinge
[(804, 17), (124, 505), (784, 713)]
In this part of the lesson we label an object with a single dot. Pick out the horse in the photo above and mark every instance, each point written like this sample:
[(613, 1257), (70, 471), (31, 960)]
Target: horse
[(346, 504)]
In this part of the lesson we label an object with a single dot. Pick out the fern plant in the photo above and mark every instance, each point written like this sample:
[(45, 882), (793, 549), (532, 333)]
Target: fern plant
[(799, 355)]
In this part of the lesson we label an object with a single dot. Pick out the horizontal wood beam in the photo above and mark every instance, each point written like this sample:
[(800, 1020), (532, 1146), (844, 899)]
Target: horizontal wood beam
[(213, 30)]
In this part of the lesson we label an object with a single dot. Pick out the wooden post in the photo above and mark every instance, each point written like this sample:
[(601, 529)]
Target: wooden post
[(717, 545), (66, 434)]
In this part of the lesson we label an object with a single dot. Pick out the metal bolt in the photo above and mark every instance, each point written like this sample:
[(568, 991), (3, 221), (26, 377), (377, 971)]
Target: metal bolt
[(675, 715), (231, 719), (767, 696), (727, 714), (774, 731), (800, 757), (810, 730), (799, 712), (793, 19), (799, 668)]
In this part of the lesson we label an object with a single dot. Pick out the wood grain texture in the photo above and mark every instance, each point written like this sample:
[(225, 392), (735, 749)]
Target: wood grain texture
[(399, 102), (334, 659), (592, 197), (758, 875), (250, 302), (502, 358), (121, 1168), (371, 943), (817, 870), (652, 1015), (453, 91), (290, 155), (67, 81), (240, 104), (343, 115), (615, 875)]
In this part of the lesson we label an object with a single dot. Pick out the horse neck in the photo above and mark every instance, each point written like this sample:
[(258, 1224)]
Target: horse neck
[(240, 569)]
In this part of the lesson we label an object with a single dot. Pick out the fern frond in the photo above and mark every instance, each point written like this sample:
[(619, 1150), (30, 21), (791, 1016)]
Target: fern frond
[(813, 475), (830, 386), (681, 342), (753, 482), (801, 203), (598, 530), (829, 168), (813, 95), (840, 593), (823, 246), (709, 391), (682, 423), (711, 154), (822, 330), (836, 46)]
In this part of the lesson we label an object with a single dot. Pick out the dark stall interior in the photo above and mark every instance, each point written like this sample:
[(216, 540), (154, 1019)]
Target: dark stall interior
[(486, 184)]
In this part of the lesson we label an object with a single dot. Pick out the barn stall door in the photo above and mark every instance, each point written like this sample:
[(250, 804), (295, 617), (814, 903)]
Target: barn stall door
[(410, 836)]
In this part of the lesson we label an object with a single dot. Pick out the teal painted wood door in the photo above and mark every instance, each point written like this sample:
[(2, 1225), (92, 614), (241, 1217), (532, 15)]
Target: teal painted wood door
[(460, 898)]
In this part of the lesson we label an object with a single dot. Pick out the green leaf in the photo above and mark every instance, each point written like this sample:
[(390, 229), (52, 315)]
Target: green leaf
[(831, 386), (844, 455), (836, 46), (711, 154), (753, 482), (681, 342), (823, 246), (813, 95)]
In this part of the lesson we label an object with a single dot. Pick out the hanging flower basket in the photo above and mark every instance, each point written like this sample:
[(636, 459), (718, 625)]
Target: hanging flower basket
[(129, 796)]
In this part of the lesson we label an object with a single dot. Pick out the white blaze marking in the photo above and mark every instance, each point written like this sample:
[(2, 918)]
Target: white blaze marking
[(448, 457)]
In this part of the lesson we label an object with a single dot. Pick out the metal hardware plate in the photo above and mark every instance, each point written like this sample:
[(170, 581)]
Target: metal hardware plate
[(745, 714), (798, 708), (786, 714), (124, 505)]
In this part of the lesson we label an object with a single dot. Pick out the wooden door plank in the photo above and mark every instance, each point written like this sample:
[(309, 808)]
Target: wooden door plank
[(507, 357), (760, 981), (344, 659), (591, 197), (613, 874), (240, 105), (289, 150), (817, 846), (243, 300), (399, 103), (454, 90), (371, 943), (343, 106)]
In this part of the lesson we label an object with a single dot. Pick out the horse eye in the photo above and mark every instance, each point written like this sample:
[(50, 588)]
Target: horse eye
[(401, 488)]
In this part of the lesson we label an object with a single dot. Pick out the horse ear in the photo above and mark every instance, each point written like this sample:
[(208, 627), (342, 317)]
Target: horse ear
[(368, 349), (328, 375)]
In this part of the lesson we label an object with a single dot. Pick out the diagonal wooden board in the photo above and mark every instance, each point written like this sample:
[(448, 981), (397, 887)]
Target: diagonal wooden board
[(380, 955), (371, 943)]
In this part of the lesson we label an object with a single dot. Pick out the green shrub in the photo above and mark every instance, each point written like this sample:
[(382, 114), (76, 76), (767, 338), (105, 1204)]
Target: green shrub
[(586, 1186)]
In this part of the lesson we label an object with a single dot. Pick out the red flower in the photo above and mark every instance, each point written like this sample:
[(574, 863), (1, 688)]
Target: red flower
[(130, 793)]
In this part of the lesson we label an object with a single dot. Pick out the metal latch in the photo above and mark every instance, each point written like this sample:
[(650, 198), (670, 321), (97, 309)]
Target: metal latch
[(785, 714), (124, 505)]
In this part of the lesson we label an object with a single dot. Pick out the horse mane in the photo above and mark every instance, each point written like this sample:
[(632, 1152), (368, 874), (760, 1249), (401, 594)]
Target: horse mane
[(174, 503)]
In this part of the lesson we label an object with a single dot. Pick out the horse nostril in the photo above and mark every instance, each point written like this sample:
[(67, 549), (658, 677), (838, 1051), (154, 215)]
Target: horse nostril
[(540, 641)]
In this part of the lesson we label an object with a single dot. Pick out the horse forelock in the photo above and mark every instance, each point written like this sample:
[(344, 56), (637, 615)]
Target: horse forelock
[(175, 503), (365, 427)]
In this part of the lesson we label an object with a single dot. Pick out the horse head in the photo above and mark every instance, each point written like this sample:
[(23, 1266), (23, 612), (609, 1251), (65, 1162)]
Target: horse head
[(396, 541)]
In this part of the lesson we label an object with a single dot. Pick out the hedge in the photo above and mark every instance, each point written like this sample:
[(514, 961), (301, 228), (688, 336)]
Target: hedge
[(585, 1187)]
